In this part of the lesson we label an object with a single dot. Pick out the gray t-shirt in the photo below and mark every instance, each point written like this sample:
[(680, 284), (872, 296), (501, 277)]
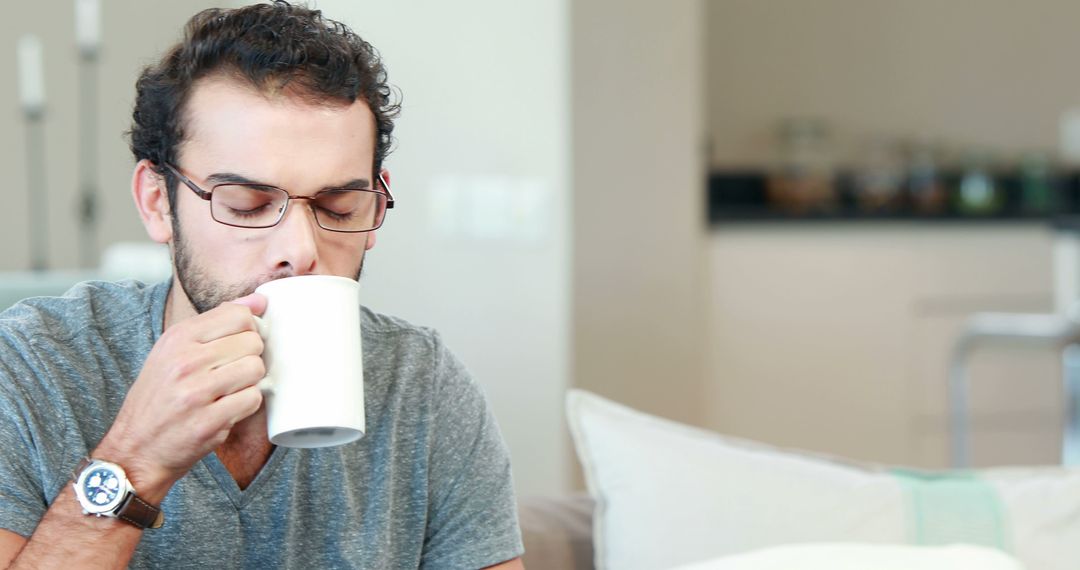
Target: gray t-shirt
[(427, 486)]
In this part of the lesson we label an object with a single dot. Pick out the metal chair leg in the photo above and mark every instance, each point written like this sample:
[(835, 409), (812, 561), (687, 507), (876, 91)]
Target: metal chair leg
[(960, 455), (1070, 374)]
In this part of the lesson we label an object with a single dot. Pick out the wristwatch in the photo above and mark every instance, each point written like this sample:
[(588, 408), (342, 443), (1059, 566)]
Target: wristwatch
[(103, 490)]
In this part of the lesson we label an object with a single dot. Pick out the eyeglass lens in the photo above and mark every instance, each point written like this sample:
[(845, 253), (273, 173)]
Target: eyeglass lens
[(253, 206)]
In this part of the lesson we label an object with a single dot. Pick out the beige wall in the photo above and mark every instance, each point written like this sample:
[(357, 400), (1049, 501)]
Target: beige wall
[(837, 338), (987, 72), (639, 227), (133, 33)]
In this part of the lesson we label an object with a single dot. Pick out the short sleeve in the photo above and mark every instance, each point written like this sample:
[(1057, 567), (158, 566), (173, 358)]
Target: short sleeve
[(22, 497), (472, 512)]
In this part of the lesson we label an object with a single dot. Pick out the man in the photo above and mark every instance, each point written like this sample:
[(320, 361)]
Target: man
[(162, 380)]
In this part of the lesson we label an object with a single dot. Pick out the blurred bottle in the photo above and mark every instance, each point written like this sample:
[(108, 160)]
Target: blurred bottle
[(879, 176), (1037, 183), (925, 183), (978, 194), (802, 181)]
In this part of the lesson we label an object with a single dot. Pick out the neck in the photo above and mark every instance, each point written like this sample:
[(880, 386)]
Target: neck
[(177, 306), (247, 449)]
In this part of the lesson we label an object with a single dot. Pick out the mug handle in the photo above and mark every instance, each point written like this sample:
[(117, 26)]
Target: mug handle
[(261, 326)]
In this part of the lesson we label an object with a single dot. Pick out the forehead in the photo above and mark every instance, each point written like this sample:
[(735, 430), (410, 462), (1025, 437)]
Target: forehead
[(276, 137)]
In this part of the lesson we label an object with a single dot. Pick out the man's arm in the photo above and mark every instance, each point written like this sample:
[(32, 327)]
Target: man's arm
[(514, 564), (10, 545), (197, 383), (67, 538)]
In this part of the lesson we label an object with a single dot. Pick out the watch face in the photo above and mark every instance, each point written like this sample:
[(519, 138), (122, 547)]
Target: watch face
[(100, 489)]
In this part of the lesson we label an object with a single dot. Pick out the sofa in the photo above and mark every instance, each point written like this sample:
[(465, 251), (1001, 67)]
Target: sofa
[(557, 532), (662, 495)]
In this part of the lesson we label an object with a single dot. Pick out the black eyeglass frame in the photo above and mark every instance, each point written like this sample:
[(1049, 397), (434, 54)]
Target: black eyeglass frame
[(208, 195)]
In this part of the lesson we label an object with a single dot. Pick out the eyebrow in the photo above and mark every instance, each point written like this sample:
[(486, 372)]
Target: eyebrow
[(232, 178)]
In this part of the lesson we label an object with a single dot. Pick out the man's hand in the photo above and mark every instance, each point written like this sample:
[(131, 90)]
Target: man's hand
[(199, 380)]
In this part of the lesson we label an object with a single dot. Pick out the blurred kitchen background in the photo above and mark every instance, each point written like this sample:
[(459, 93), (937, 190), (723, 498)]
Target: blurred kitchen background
[(771, 219)]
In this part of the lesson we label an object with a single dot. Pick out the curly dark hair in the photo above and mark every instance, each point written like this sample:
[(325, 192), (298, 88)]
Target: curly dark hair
[(271, 46)]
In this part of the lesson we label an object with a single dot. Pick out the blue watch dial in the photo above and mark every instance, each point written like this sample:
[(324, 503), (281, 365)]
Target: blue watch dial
[(101, 486)]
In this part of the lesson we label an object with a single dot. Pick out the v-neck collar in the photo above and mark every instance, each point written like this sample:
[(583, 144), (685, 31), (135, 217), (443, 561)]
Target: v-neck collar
[(241, 498), (213, 466)]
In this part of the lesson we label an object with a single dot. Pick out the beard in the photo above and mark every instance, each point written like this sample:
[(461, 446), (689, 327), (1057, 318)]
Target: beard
[(206, 294)]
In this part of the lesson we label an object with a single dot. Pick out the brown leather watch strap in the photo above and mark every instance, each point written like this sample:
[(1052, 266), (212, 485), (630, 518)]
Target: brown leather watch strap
[(140, 513)]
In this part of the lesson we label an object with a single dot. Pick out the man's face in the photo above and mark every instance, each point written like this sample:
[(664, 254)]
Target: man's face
[(270, 139)]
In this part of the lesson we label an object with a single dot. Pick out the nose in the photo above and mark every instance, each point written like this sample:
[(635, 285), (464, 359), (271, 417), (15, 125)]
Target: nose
[(294, 248)]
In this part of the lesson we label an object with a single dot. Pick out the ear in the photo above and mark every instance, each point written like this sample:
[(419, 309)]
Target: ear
[(152, 201), (371, 235)]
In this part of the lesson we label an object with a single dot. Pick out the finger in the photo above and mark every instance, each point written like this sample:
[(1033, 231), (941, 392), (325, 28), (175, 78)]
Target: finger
[(235, 376), (227, 349), (227, 319), (236, 406)]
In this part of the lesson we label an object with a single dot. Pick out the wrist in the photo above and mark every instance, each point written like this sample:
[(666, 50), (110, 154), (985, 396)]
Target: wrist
[(151, 482), (103, 489)]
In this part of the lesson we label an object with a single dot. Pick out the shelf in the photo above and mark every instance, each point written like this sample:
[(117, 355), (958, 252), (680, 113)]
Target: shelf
[(742, 197)]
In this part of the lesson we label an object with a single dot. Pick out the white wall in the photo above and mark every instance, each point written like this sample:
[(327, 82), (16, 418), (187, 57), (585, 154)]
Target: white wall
[(482, 142), (134, 33)]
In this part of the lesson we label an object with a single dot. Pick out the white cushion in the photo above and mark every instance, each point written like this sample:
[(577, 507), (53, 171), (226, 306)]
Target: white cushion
[(863, 557), (669, 494)]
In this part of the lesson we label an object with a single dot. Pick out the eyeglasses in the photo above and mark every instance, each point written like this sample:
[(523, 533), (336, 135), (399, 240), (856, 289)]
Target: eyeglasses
[(250, 205)]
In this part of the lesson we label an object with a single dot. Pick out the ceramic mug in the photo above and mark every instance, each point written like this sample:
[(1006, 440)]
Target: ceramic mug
[(314, 385)]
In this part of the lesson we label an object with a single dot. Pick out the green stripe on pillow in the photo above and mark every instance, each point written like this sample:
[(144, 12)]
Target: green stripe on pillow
[(953, 507)]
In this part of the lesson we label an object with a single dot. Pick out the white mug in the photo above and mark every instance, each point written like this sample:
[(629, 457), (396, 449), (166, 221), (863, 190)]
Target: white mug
[(314, 385)]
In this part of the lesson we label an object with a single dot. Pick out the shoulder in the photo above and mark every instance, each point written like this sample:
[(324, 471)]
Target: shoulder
[(381, 323), (87, 304), (386, 333), (413, 358)]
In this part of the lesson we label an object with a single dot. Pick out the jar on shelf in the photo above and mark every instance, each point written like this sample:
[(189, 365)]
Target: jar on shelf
[(878, 175), (925, 180), (802, 180), (1038, 180), (978, 192)]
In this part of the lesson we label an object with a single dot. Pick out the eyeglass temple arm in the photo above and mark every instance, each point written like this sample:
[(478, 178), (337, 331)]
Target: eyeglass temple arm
[(389, 196), (187, 182)]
